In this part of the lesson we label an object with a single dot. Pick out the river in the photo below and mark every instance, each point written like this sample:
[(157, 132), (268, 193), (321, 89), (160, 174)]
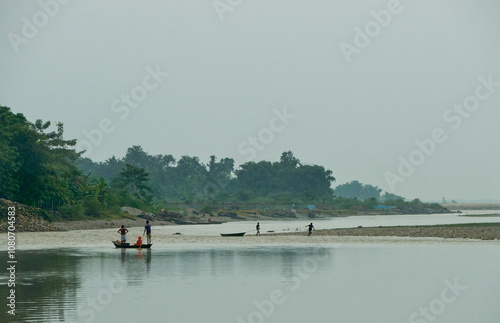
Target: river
[(199, 276)]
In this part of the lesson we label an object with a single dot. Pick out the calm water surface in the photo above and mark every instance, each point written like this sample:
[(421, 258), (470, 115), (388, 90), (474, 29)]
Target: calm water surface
[(263, 283), (199, 276)]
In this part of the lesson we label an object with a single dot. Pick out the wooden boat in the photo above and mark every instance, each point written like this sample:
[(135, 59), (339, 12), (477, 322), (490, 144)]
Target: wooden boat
[(133, 246), (239, 234)]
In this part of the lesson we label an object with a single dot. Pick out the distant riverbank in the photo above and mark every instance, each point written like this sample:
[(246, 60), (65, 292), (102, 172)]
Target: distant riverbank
[(32, 219), (104, 224), (472, 206)]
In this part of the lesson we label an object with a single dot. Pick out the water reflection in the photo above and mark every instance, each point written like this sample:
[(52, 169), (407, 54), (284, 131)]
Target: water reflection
[(123, 255), (78, 285), (148, 261), (221, 262), (46, 285)]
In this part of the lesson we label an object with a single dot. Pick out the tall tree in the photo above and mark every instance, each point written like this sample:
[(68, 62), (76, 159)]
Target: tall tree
[(137, 156), (9, 164), (37, 164), (287, 159), (135, 180)]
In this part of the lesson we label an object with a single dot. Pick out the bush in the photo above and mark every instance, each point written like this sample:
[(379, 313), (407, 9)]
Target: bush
[(207, 209), (92, 207), (72, 212)]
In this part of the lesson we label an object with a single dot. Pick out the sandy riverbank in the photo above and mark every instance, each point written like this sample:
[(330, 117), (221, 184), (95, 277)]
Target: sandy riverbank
[(479, 231), (132, 221), (28, 222), (165, 239)]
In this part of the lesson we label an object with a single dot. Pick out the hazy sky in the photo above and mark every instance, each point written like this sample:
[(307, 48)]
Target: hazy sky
[(404, 95)]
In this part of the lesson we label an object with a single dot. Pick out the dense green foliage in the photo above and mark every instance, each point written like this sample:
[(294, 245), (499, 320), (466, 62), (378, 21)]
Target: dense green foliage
[(357, 190), (187, 179), (38, 167)]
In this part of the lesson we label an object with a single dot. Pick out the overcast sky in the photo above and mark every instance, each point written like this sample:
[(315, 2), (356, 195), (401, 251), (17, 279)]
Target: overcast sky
[(403, 95)]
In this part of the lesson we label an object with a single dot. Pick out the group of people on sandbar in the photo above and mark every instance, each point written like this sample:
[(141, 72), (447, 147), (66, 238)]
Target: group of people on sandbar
[(147, 232)]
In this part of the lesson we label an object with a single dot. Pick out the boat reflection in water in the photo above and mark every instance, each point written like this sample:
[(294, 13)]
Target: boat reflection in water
[(83, 284)]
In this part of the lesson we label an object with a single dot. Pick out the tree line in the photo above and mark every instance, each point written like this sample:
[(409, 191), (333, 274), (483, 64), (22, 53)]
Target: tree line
[(360, 191), (38, 167), (188, 179)]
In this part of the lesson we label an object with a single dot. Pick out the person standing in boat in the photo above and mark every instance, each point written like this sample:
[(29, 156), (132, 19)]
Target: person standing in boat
[(311, 227), (257, 227), (147, 231), (123, 231)]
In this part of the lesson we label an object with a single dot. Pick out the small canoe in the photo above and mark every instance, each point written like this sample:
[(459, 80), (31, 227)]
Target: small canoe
[(239, 234), (133, 246)]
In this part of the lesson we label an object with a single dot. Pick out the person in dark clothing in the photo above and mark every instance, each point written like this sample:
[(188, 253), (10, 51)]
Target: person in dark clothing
[(311, 227), (147, 231)]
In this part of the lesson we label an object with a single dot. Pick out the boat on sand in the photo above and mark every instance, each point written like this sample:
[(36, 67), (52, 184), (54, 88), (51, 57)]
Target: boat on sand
[(238, 234)]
